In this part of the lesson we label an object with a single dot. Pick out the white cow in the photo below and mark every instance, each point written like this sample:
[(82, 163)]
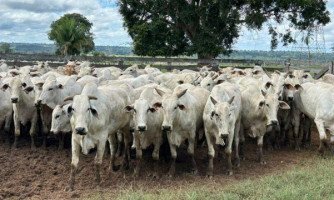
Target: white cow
[(222, 116), (315, 100), (259, 110), (22, 98), (60, 124), (6, 110), (95, 119), (147, 123), (183, 117)]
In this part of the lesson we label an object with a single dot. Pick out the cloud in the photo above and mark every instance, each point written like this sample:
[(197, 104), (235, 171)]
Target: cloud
[(29, 21)]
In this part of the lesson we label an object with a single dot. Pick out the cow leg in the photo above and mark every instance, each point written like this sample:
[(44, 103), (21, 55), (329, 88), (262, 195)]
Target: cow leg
[(139, 156), (17, 131), (296, 120), (125, 164), (236, 143), (260, 150), (98, 159), (211, 153), (33, 131), (155, 156), (191, 151), (173, 152), (74, 162), (112, 145), (119, 144), (322, 135), (228, 152), (7, 129), (61, 137), (242, 142)]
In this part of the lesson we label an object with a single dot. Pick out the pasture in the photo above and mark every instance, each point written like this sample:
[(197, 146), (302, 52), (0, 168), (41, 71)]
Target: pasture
[(44, 172)]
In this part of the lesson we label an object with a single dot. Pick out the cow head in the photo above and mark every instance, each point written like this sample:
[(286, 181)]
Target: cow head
[(82, 112), (141, 111), (222, 115), (171, 106), (60, 119), (270, 104)]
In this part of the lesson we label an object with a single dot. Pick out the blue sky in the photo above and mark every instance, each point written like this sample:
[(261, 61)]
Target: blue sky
[(29, 21)]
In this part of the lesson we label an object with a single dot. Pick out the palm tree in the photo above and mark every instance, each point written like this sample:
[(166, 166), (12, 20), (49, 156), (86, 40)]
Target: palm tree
[(71, 37)]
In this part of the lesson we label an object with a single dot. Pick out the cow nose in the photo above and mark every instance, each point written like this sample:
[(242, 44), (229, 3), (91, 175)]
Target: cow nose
[(166, 128), (274, 123), (38, 103), (141, 128), (14, 99), (80, 130), (290, 98)]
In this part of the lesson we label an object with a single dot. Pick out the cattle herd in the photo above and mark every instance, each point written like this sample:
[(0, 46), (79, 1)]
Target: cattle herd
[(137, 108)]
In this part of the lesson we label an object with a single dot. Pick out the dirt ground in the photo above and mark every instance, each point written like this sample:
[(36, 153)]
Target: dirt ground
[(44, 174)]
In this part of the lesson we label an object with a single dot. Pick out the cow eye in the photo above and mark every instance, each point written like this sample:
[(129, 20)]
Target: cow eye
[(209, 84), (175, 108), (50, 89), (5, 86), (267, 105), (24, 84), (57, 116)]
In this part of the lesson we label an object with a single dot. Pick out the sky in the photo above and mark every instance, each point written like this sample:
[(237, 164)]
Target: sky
[(28, 21)]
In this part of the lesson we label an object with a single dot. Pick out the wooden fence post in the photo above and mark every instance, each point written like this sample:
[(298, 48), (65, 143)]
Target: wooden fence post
[(120, 63), (331, 68), (169, 66)]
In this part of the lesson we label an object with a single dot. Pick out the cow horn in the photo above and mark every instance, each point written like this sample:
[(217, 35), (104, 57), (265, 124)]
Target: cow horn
[(92, 98), (180, 94), (68, 99)]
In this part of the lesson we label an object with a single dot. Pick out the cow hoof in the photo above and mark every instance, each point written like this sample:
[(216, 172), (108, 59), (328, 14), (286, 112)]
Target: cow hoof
[(209, 175), (69, 189), (230, 173), (135, 175), (194, 172), (237, 163), (263, 162)]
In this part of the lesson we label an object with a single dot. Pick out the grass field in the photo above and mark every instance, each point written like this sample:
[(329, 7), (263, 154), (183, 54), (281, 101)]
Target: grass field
[(311, 179)]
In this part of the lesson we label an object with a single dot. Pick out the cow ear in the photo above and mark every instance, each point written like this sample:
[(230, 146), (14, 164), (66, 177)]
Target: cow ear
[(157, 105), (298, 87), (263, 93), (214, 101), (128, 108), (261, 104), (60, 86), (28, 89), (94, 112), (284, 105), (288, 86), (268, 85), (181, 106), (152, 110), (69, 110), (180, 82), (212, 114)]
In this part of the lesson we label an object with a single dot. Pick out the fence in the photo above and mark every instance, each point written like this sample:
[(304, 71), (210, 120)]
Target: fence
[(168, 63)]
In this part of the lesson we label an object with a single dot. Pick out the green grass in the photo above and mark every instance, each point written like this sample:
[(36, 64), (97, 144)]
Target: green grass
[(312, 180)]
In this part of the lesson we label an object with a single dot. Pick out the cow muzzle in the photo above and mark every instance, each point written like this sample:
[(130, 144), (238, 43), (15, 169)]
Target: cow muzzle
[(166, 128), (80, 131), (142, 128), (38, 103), (14, 100)]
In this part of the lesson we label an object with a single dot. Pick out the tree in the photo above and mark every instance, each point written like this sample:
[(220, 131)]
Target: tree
[(71, 33), (210, 27), (5, 48)]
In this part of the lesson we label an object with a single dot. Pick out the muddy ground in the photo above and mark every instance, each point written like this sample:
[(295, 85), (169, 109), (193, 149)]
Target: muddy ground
[(44, 174)]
